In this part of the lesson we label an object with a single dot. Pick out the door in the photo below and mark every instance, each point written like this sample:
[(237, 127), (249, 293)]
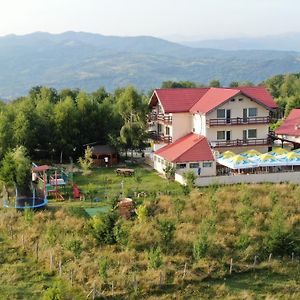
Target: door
[(244, 136), (228, 136), (245, 115), (228, 115)]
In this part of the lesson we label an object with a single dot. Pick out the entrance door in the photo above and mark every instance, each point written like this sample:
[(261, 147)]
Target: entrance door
[(228, 115), (244, 136), (228, 136), (245, 115)]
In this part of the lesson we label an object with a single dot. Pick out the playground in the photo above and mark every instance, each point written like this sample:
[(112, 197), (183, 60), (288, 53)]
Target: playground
[(55, 186)]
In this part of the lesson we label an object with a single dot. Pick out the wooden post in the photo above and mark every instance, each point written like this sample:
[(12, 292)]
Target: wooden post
[(94, 291), (255, 261), (71, 276), (60, 268), (112, 288), (135, 284), (230, 269), (293, 256), (37, 250), (270, 257), (23, 242), (51, 261), (184, 270)]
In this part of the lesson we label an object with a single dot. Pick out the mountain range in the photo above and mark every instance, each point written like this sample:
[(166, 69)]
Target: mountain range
[(281, 42), (88, 61)]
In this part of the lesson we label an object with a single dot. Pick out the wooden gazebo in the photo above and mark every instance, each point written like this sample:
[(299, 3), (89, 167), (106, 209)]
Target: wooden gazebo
[(104, 152)]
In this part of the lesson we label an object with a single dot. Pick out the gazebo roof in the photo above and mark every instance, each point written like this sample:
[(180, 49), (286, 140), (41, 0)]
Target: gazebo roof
[(103, 149)]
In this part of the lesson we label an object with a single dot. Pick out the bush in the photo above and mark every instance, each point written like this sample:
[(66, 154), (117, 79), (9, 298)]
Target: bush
[(102, 227), (154, 258), (167, 230), (203, 242), (121, 233)]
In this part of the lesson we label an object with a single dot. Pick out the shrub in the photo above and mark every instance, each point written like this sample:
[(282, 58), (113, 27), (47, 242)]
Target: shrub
[(103, 268), (75, 246), (190, 178), (142, 213), (121, 233), (178, 205), (170, 172), (86, 161), (167, 230), (102, 227), (203, 242), (154, 258), (279, 239)]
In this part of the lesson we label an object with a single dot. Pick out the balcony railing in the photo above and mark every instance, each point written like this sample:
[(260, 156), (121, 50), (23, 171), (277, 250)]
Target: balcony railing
[(241, 143), (238, 121), (160, 118), (160, 138)]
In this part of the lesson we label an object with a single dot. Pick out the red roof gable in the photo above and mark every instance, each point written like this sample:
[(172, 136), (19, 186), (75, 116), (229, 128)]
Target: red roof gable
[(179, 99), (190, 148), (205, 99), (213, 98), (260, 94), (291, 125)]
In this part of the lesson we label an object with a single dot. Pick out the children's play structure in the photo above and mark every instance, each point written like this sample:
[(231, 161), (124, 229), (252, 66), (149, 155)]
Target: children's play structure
[(46, 181), (51, 180)]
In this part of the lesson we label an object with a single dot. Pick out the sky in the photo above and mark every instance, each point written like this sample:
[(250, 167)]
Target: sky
[(172, 19)]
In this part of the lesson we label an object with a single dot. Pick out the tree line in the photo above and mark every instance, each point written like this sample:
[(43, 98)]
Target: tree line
[(57, 124)]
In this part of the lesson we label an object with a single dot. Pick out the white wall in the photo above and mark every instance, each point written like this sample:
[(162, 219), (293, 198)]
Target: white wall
[(159, 164), (199, 124), (293, 177), (237, 107), (181, 125)]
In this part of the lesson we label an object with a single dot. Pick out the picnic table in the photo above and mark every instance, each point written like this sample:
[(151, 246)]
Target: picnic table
[(125, 172)]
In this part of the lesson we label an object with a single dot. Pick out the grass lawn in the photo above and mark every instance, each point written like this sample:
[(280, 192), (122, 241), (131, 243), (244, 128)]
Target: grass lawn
[(106, 186)]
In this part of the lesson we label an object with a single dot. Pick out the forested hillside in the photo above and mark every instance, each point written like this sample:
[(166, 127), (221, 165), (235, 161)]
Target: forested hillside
[(87, 61)]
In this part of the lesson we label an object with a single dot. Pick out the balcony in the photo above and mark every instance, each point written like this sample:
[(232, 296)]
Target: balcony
[(241, 143), (238, 121), (160, 138), (152, 117)]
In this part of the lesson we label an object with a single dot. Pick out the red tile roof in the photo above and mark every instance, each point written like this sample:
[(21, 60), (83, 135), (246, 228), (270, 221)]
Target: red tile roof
[(178, 100), (291, 125), (190, 148), (206, 99), (213, 98)]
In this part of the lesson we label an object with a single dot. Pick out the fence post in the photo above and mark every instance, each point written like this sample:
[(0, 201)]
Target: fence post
[(184, 270), (230, 269), (270, 257)]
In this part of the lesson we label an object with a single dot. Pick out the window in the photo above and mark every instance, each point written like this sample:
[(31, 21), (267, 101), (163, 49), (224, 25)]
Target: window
[(194, 165), (252, 112), (220, 113), (158, 159), (167, 130), (159, 128), (240, 99), (220, 135), (180, 166), (207, 165), (252, 133), (155, 158)]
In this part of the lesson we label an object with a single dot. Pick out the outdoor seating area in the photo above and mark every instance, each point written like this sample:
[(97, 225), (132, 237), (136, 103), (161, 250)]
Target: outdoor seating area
[(254, 162)]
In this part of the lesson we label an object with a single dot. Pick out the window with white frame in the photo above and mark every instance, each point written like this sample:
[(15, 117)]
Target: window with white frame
[(252, 112), (252, 134), (167, 130), (194, 165), (221, 135), (221, 113), (180, 166), (207, 164)]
